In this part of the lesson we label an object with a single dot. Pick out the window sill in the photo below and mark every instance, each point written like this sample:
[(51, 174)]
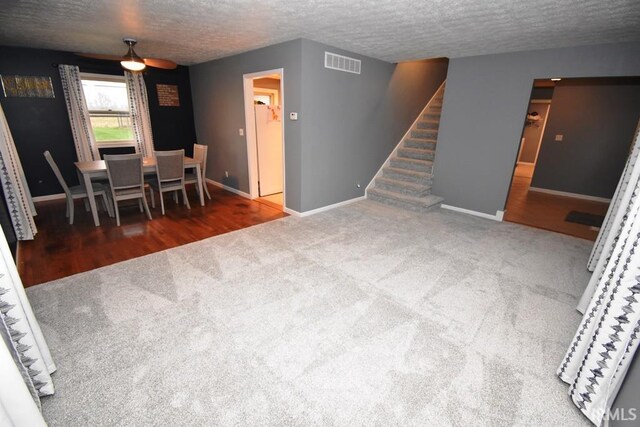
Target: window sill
[(116, 144)]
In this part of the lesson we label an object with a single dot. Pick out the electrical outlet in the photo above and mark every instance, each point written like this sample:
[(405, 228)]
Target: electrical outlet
[(559, 138), (226, 174), (241, 132)]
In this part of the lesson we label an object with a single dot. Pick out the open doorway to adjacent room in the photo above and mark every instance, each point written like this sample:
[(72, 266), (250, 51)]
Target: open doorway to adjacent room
[(265, 136), (576, 139)]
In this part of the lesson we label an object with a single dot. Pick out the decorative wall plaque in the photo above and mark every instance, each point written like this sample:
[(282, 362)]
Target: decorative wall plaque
[(168, 95), (27, 87)]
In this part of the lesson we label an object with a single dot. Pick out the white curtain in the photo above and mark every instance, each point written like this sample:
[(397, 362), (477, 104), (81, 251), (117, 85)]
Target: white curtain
[(14, 185), (600, 353), (139, 110), (25, 361), (86, 147), (613, 223)]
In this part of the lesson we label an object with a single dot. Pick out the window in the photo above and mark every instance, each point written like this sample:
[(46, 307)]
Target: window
[(265, 99), (108, 106)]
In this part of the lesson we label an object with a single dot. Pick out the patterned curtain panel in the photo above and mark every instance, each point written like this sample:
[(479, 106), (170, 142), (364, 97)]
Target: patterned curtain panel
[(14, 185), (617, 215), (139, 110), (25, 361), (604, 345), (86, 148)]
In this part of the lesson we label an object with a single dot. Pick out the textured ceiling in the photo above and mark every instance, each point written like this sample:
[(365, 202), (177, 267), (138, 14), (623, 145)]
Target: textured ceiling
[(193, 31)]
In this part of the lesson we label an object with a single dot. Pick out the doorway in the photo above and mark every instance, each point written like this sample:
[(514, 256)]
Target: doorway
[(571, 159), (534, 125), (264, 106)]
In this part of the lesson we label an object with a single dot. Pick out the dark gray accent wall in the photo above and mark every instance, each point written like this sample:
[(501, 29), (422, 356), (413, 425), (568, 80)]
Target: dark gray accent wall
[(542, 93), (39, 124), (598, 122), (348, 124), (484, 105)]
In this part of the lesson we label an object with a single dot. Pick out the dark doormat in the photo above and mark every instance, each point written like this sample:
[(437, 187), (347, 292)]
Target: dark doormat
[(585, 218)]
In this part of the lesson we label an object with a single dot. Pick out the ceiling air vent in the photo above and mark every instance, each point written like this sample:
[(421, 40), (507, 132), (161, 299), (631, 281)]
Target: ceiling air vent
[(341, 63)]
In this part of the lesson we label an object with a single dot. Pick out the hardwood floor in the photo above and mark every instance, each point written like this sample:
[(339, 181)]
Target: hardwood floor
[(273, 200), (548, 211), (60, 249)]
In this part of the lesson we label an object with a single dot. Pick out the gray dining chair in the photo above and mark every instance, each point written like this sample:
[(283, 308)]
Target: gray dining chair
[(170, 174), (78, 191), (200, 155), (126, 180)]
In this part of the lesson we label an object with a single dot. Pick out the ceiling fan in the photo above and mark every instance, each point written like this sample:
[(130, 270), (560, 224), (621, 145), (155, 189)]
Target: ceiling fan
[(131, 61)]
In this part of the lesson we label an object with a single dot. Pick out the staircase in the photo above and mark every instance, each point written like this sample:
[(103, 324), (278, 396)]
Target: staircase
[(406, 177)]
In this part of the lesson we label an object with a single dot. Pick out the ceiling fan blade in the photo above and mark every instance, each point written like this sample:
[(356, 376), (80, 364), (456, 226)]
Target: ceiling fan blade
[(160, 63), (151, 62), (100, 56)]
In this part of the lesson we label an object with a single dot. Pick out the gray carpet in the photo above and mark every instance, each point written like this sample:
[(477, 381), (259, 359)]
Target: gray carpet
[(363, 315)]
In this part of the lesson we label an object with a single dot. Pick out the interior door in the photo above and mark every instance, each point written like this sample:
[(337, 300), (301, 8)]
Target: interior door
[(269, 144)]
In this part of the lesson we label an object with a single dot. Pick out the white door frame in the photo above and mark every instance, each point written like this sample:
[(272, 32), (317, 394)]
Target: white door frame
[(250, 123)]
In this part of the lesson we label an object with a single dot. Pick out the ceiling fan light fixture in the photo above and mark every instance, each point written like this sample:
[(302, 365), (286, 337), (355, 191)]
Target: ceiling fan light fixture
[(131, 61)]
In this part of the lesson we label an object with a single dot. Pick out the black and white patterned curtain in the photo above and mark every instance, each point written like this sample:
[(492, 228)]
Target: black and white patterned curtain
[(611, 223), (25, 361), (602, 349), (14, 185), (79, 119), (139, 111)]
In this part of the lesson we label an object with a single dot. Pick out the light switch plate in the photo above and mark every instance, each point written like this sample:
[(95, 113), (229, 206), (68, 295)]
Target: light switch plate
[(293, 116), (241, 132), (559, 137)]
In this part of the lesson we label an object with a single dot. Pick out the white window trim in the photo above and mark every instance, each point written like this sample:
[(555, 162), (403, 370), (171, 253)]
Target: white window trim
[(109, 78)]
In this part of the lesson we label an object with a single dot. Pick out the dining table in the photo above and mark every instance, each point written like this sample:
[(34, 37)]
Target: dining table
[(97, 169)]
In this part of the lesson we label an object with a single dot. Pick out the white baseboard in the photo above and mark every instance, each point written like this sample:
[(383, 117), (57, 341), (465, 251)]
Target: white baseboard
[(574, 195), (225, 187), (323, 208), (49, 197), (497, 217)]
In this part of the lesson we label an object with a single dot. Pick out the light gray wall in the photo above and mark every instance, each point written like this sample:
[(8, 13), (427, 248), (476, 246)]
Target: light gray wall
[(348, 124), (484, 105), (598, 122), (218, 104)]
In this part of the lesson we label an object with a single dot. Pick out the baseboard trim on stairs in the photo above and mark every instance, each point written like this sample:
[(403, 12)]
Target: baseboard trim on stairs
[(226, 187), (497, 217), (407, 133), (567, 194), (323, 208), (46, 198)]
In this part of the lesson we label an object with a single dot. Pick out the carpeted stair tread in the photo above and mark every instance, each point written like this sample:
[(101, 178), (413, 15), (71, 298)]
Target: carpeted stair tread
[(412, 164), (404, 187), (407, 175), (416, 153), (424, 134), (404, 201), (427, 124), (424, 144)]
